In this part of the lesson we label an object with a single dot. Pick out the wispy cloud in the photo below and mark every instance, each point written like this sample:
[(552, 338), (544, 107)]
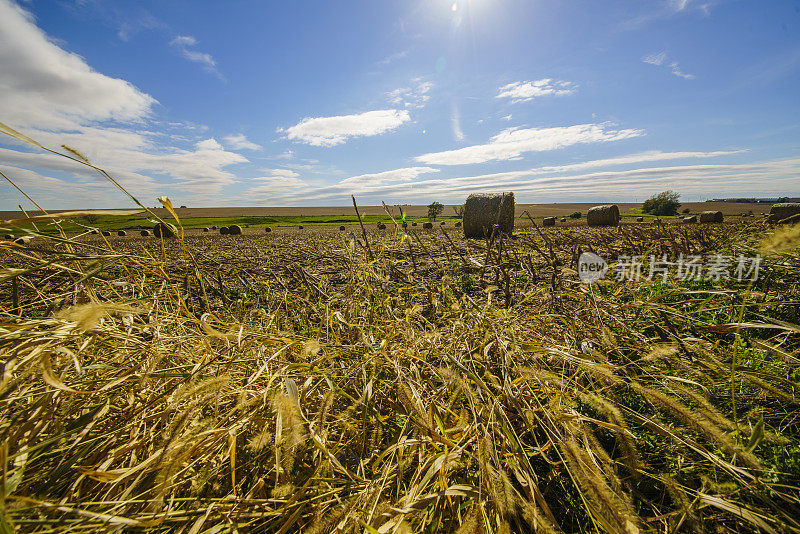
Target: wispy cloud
[(512, 143), (685, 5), (662, 59), (332, 131), (455, 122), (393, 57), (528, 90), (185, 43), (414, 96), (240, 142), (600, 178), (386, 177)]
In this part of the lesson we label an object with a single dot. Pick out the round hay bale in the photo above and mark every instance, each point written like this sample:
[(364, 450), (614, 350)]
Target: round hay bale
[(95, 232), (235, 229), (458, 224), (563, 219), (24, 240), (122, 233), (413, 224), (164, 230), (549, 221), (144, 233), (205, 230), (106, 233), (267, 229), (223, 230), (213, 227), (783, 210), (690, 219), (639, 219), (483, 211), (342, 228), (427, 225), (300, 227), (9, 237), (605, 215), (381, 226), (711, 217)]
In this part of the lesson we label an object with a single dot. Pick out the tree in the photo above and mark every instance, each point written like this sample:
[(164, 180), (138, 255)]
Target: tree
[(459, 209), (435, 209), (662, 204)]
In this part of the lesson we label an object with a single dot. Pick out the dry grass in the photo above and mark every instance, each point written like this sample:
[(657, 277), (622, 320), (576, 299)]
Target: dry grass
[(290, 383)]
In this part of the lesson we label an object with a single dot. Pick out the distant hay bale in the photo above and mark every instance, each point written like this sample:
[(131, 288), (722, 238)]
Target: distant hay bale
[(9, 237), (235, 229), (639, 219), (223, 230), (691, 219), (213, 227), (205, 229), (711, 217), (106, 233), (483, 211), (549, 221), (95, 232), (442, 223), (342, 228), (427, 225), (24, 240), (164, 230), (458, 224), (563, 219), (381, 226), (144, 233), (413, 224), (267, 229), (605, 215), (300, 227), (122, 233), (783, 210)]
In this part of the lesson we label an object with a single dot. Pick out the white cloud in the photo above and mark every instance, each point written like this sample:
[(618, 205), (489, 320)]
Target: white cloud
[(677, 71), (414, 96), (331, 131), (393, 57), (655, 59), (386, 177), (507, 117), (705, 6), (283, 173), (512, 143), (661, 59), (45, 86), (183, 44), (558, 183), (528, 90), (455, 122), (240, 142)]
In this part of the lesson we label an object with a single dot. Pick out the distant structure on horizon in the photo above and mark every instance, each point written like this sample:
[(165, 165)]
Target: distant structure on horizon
[(756, 200)]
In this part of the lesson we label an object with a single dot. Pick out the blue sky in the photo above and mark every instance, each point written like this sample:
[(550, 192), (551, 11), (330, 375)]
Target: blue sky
[(247, 103)]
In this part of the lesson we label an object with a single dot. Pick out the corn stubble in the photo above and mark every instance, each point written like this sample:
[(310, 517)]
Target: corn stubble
[(290, 383)]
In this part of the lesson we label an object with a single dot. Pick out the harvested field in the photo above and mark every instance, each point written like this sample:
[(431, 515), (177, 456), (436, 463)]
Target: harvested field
[(296, 381)]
